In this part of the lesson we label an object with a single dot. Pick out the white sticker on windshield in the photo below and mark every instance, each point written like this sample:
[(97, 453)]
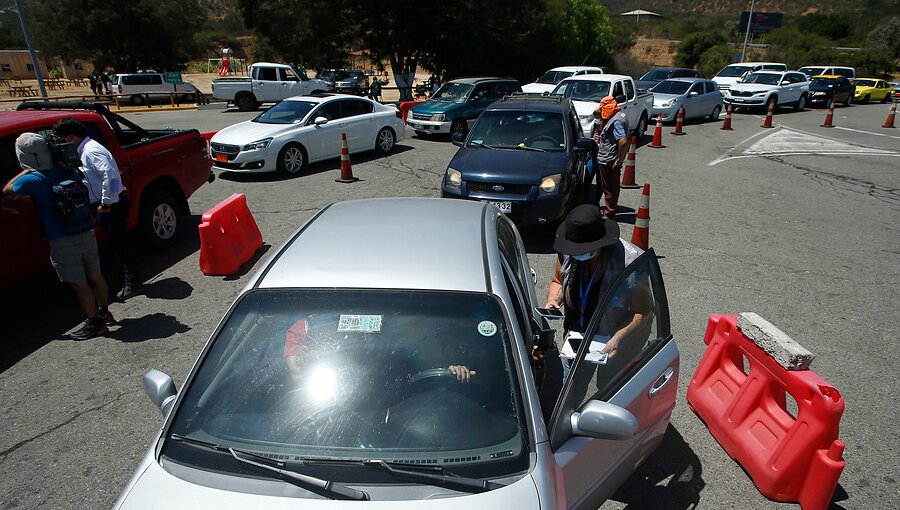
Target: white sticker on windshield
[(487, 328), (360, 323)]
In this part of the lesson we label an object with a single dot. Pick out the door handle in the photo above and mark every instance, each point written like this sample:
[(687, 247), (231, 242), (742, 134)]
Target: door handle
[(662, 382)]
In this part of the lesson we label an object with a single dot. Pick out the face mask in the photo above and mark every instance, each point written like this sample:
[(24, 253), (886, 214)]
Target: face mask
[(586, 256)]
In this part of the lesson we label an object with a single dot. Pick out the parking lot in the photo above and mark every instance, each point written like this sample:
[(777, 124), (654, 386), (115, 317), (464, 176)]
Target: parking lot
[(796, 223)]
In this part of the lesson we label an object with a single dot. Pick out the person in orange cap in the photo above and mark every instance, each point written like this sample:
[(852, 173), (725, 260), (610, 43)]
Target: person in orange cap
[(611, 134)]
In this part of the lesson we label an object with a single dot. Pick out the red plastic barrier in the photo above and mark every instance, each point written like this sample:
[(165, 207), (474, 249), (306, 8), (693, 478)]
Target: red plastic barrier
[(404, 108), (789, 459), (228, 236)]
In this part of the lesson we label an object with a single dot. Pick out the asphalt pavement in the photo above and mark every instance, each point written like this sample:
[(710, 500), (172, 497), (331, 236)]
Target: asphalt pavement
[(797, 223)]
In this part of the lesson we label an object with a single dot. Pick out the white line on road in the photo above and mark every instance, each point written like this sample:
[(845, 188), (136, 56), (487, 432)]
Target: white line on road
[(867, 132)]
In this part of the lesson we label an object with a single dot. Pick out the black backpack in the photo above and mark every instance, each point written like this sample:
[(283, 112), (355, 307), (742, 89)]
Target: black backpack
[(71, 200)]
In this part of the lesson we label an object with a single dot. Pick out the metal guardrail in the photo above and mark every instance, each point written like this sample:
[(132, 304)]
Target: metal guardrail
[(119, 101)]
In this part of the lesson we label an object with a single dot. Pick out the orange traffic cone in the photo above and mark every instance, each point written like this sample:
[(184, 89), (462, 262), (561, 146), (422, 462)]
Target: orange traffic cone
[(346, 170), (889, 122), (657, 134), (628, 173), (640, 236), (679, 122), (830, 116), (726, 124), (769, 115)]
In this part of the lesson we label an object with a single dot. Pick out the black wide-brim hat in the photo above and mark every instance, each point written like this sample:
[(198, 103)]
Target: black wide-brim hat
[(585, 230)]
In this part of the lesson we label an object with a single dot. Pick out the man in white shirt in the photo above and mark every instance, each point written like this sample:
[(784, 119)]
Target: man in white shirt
[(108, 198)]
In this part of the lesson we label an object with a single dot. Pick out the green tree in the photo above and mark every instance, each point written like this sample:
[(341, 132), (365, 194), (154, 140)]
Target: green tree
[(691, 49), (714, 59), (585, 34), (796, 48), (136, 34), (887, 37), (830, 26)]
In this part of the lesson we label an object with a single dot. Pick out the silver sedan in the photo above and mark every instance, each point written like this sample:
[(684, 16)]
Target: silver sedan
[(699, 97)]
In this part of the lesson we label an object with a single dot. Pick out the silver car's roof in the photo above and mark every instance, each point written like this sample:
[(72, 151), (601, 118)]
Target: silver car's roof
[(395, 243)]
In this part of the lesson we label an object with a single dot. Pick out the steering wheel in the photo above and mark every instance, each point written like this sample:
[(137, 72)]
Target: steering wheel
[(545, 138), (429, 374)]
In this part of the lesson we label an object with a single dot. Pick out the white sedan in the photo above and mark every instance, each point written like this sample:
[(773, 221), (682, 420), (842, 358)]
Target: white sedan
[(304, 129)]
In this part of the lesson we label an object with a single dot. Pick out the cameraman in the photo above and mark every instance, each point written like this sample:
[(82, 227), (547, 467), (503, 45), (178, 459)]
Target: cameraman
[(74, 256)]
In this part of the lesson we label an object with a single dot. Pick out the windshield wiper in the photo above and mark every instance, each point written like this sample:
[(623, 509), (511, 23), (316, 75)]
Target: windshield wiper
[(481, 144), (331, 489), (435, 475), (522, 147)]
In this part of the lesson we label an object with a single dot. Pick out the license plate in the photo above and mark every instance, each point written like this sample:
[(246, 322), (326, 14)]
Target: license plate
[(505, 207), (222, 157)]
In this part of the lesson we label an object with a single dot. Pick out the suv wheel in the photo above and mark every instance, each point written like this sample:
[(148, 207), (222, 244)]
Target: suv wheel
[(801, 103)]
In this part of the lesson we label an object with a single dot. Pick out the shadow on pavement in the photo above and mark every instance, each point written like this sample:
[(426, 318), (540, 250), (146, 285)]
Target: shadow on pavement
[(247, 266), (148, 327), (167, 288), (674, 461)]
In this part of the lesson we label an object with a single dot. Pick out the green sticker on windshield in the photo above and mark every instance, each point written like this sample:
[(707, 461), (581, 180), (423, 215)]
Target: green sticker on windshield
[(487, 328), (360, 323)]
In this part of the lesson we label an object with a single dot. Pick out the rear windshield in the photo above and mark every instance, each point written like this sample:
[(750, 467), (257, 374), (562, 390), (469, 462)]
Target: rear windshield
[(671, 87), (583, 90), (657, 75), (812, 71), (734, 71)]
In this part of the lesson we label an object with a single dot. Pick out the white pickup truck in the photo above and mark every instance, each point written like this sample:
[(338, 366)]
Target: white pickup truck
[(268, 83), (586, 91)]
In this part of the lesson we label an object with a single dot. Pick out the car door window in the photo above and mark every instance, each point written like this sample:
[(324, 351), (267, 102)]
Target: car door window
[(287, 75), (482, 92), (266, 74), (330, 111), (509, 247), (697, 87), (354, 107), (629, 89), (710, 87), (617, 90)]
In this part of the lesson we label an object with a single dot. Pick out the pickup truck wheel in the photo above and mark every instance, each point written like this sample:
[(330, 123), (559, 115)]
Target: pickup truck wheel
[(642, 126), (714, 116), (291, 159), (459, 126), (159, 219), (385, 140), (246, 102)]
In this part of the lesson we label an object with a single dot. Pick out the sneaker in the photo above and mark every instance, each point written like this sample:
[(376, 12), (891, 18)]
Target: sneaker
[(92, 327), (105, 316), (128, 290)]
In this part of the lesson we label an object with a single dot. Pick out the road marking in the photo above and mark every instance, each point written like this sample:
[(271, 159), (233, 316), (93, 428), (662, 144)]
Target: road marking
[(867, 132), (793, 142)]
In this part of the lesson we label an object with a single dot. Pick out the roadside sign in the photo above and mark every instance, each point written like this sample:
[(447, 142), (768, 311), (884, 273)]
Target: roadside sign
[(173, 78)]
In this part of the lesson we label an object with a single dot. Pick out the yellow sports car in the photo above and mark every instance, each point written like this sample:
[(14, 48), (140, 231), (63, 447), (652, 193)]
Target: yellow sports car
[(872, 89)]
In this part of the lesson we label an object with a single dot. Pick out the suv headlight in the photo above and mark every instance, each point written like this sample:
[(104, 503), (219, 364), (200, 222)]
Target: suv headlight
[(453, 178), (550, 183), (438, 117), (259, 144)]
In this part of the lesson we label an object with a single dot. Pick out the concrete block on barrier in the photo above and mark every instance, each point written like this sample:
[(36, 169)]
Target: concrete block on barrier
[(788, 353)]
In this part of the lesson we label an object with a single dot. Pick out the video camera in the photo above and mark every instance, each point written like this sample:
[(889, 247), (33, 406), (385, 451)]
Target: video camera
[(65, 154)]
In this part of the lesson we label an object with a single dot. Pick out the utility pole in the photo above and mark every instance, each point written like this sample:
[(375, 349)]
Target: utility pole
[(747, 32), (34, 61)]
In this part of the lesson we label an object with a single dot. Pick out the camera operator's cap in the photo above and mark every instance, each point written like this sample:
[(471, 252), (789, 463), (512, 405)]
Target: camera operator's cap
[(33, 152), (585, 230)]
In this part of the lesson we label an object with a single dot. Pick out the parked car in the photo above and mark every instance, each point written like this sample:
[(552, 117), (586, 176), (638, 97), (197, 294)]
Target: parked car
[(587, 91), (547, 81), (846, 72), (699, 97), (872, 89), (895, 95), (350, 81), (139, 88), (457, 104), (329, 377), (267, 83), (524, 156), (825, 89), (656, 75), (761, 87), (161, 169), (734, 73), (304, 129)]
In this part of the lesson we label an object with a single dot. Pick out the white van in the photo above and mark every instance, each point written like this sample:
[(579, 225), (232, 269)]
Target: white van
[(810, 71), (133, 87), (732, 73)]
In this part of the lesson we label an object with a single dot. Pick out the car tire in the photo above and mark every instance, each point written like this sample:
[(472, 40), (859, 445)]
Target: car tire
[(246, 102), (459, 126), (714, 116), (291, 159), (159, 219), (136, 100), (866, 98), (385, 140), (886, 98), (801, 103), (641, 127)]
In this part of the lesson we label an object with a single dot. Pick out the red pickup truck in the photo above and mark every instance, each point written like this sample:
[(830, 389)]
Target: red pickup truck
[(161, 169)]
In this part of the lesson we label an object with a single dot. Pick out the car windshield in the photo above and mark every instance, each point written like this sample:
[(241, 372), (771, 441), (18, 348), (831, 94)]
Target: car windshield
[(286, 112), (671, 87), (657, 75), (583, 90), (360, 374), (347, 75), (554, 77), (519, 130), (812, 71), (823, 82), (734, 71), (865, 83), (453, 92), (764, 78)]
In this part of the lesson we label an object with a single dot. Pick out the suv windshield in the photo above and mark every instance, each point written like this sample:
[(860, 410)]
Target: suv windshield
[(764, 78), (583, 90), (734, 71), (360, 374), (671, 87), (554, 77), (348, 75), (453, 92), (506, 129), (286, 112)]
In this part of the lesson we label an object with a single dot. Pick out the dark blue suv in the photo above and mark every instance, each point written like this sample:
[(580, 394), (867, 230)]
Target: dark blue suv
[(525, 154)]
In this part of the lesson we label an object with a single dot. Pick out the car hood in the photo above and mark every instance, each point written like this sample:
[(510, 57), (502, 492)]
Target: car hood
[(752, 87), (538, 88), (507, 165), (248, 131), (157, 489), (431, 107)]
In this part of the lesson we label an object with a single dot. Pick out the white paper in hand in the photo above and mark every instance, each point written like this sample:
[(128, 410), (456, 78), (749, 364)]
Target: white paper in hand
[(593, 356)]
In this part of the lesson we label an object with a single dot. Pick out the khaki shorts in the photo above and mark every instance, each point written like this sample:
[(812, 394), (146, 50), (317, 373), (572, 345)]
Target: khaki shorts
[(75, 256)]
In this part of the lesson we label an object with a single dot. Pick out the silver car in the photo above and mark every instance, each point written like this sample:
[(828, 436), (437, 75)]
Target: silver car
[(699, 97), (382, 356)]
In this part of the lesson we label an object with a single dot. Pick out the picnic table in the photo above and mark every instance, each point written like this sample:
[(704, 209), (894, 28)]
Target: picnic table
[(22, 91), (77, 82), (55, 84)]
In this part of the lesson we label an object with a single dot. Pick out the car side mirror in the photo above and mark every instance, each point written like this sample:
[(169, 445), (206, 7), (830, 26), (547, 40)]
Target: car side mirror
[(320, 121), (693, 93), (620, 99), (457, 139), (784, 82), (161, 390), (602, 420)]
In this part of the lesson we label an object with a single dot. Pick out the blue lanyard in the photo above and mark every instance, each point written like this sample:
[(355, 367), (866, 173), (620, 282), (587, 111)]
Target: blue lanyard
[(584, 292)]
